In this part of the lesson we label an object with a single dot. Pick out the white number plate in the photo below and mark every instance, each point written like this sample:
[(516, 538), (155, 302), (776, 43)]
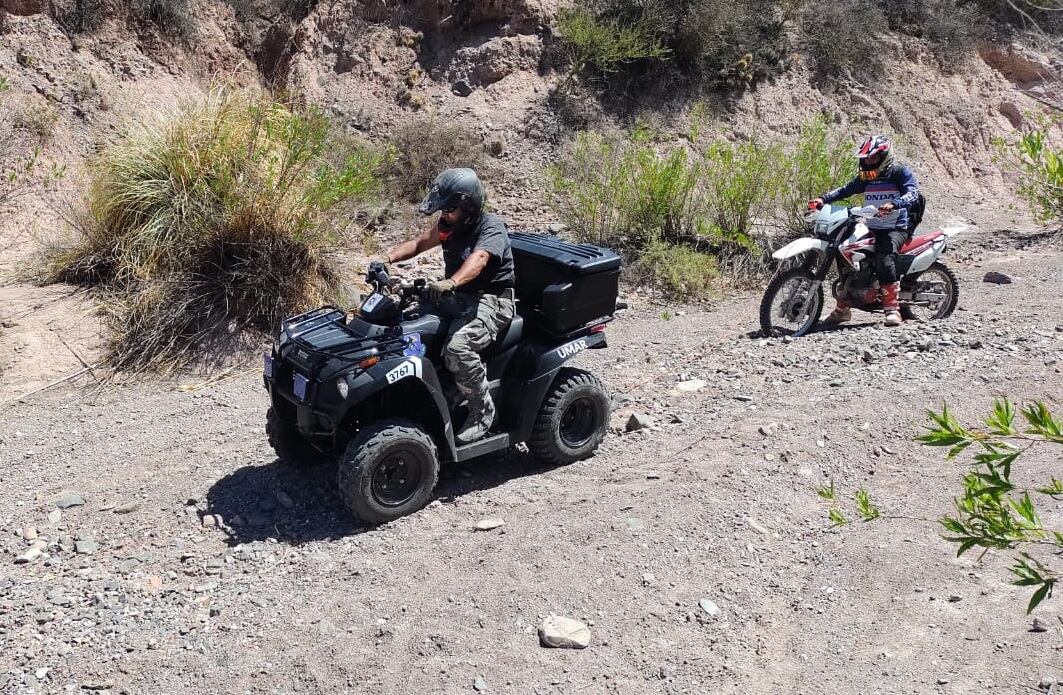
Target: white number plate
[(410, 367), (371, 301)]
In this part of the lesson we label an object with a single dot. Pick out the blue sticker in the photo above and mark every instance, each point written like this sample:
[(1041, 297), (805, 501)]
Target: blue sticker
[(414, 346)]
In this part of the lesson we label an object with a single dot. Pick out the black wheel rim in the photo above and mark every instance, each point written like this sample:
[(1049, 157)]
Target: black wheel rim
[(578, 422), (396, 479), (931, 281)]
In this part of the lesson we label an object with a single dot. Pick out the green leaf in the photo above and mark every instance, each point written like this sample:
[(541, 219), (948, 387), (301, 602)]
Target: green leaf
[(1002, 419), (864, 506), (1040, 595), (836, 517), (827, 492)]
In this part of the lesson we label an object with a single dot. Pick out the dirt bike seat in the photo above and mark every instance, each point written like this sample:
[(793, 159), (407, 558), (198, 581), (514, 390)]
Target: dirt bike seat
[(917, 244)]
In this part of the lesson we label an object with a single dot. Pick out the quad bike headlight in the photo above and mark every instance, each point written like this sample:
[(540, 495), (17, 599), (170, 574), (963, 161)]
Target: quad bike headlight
[(342, 387)]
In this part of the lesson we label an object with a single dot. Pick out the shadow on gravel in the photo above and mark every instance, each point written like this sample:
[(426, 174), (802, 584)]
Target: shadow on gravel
[(301, 505)]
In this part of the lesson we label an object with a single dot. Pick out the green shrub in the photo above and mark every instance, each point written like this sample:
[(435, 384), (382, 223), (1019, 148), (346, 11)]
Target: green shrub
[(819, 161), (843, 37), (218, 221), (680, 271), (1039, 166), (719, 44), (708, 199), (424, 147), (605, 43)]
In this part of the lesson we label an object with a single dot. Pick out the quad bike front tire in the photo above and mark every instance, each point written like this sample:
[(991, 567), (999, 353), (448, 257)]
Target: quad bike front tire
[(289, 446), (572, 420), (388, 470)]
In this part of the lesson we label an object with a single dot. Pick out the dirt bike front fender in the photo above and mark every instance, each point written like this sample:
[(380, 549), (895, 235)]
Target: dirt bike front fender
[(800, 246)]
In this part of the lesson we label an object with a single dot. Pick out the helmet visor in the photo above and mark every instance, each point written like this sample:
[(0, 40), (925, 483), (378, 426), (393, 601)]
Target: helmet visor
[(872, 161)]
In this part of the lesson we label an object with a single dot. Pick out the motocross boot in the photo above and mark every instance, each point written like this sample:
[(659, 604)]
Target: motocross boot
[(891, 303), (481, 415), (841, 314)]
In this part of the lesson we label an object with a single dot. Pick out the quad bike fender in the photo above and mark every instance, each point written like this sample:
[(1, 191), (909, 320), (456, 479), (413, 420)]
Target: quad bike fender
[(538, 381), (800, 246), (414, 375)]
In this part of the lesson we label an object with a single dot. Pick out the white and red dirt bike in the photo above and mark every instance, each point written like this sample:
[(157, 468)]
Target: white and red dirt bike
[(840, 238)]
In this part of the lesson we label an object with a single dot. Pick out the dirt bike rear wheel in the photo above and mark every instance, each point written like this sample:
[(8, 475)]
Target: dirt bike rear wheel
[(939, 274), (792, 304)]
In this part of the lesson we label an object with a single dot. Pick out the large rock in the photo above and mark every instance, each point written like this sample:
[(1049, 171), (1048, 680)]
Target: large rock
[(997, 278), (564, 633), (496, 59)]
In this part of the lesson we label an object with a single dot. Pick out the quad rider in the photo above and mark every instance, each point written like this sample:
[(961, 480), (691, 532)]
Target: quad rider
[(477, 291), (893, 189)]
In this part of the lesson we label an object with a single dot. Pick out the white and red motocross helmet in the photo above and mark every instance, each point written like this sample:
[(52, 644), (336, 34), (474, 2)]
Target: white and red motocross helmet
[(876, 157)]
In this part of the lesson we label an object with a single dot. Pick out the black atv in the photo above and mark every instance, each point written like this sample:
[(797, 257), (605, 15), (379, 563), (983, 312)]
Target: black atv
[(373, 392)]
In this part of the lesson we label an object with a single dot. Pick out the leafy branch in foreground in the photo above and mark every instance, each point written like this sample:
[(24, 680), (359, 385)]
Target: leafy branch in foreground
[(994, 512)]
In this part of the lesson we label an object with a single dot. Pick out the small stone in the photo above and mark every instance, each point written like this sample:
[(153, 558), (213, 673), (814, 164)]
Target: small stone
[(943, 681), (709, 606), (756, 526), (1048, 681), (635, 524), (975, 345), (869, 356), (692, 385), (639, 421), (648, 579), (743, 398), (997, 278), (955, 599), (32, 553), (1038, 626), (769, 430), (127, 508), (564, 633), (462, 88), (653, 475), (488, 524), (69, 500), (41, 673), (29, 533), (54, 517), (209, 521), (86, 546), (479, 685)]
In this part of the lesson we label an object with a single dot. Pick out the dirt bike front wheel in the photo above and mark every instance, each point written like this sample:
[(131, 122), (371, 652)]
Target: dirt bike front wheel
[(792, 304)]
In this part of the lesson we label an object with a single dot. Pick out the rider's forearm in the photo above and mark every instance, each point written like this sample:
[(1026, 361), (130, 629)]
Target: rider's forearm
[(850, 189), (402, 252), (471, 268)]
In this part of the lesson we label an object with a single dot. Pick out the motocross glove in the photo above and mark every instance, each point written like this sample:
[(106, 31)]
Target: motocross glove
[(440, 288)]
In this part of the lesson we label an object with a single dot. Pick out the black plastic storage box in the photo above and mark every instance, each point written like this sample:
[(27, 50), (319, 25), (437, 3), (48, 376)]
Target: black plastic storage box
[(567, 286)]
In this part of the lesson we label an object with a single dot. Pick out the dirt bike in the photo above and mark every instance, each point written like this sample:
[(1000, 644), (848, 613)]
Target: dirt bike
[(840, 237)]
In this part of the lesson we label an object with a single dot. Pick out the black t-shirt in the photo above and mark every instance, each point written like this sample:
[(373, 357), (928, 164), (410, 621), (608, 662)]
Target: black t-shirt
[(488, 234)]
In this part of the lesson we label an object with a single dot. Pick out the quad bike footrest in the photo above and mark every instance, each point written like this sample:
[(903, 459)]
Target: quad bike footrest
[(487, 445)]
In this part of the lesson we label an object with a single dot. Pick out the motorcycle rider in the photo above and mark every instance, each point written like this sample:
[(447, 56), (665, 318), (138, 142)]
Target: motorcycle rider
[(477, 291), (890, 186)]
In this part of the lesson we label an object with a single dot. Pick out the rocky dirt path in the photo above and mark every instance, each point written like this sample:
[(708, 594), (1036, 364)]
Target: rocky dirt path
[(189, 560)]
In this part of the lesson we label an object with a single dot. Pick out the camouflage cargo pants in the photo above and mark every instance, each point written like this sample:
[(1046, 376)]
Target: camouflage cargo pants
[(478, 322)]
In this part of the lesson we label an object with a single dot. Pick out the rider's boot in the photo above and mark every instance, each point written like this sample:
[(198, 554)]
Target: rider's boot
[(481, 415), (891, 303), (842, 313)]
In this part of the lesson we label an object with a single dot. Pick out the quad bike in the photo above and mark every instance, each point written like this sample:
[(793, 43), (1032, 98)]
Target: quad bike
[(793, 301), (372, 391)]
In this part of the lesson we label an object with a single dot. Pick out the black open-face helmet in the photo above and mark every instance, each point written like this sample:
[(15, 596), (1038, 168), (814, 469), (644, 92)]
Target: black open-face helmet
[(452, 189)]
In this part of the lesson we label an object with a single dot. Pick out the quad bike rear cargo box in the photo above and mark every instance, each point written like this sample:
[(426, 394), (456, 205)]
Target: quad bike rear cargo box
[(566, 286)]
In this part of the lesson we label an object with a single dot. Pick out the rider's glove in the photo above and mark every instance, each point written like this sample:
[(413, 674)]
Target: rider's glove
[(439, 288), (815, 204)]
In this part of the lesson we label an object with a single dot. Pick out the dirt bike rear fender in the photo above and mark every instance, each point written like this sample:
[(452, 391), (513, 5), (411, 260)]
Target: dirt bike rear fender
[(800, 246)]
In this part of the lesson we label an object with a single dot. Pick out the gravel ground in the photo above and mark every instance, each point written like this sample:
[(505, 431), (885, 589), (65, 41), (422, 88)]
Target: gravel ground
[(696, 550)]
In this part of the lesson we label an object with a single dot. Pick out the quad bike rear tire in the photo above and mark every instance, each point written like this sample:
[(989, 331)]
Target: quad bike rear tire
[(573, 419), (388, 470), (289, 446)]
